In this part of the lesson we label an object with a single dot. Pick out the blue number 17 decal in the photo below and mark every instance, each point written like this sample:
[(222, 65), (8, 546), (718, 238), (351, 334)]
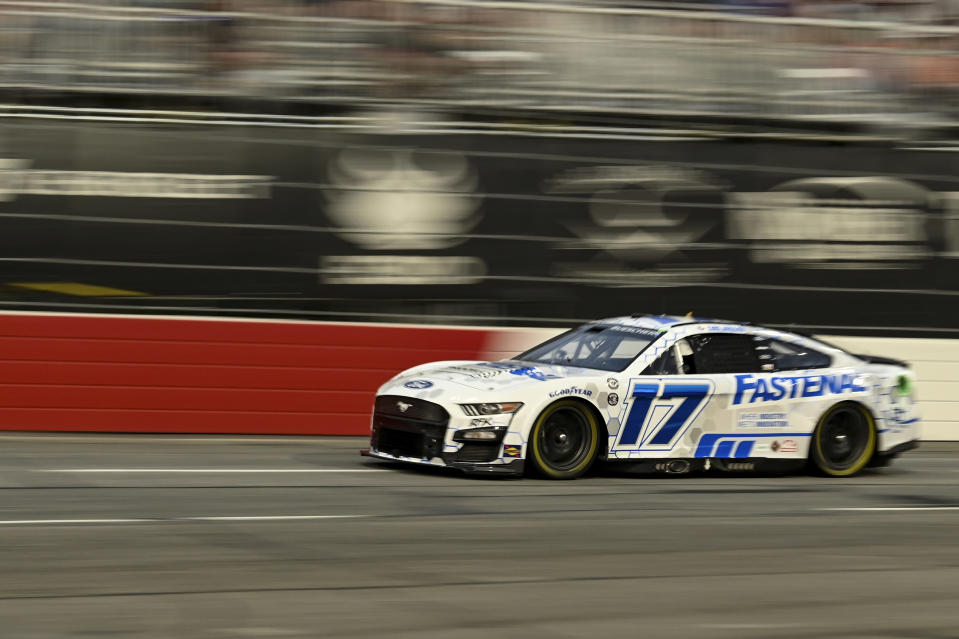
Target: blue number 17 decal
[(652, 399)]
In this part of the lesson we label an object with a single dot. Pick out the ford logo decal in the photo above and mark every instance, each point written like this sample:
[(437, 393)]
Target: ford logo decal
[(418, 384)]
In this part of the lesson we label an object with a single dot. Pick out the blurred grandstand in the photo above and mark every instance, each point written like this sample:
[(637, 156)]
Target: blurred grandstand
[(469, 161), (890, 63)]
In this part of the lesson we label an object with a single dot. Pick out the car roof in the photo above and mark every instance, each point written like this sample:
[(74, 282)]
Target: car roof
[(665, 323), (661, 322)]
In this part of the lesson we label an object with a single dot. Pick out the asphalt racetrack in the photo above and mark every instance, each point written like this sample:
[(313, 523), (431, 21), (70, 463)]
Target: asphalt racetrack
[(218, 537)]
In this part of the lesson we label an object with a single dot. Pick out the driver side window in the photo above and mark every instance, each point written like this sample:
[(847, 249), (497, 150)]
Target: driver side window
[(717, 353), (709, 354), (665, 364), (782, 356)]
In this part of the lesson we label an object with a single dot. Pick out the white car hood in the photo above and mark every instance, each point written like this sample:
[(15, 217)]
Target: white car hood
[(488, 376)]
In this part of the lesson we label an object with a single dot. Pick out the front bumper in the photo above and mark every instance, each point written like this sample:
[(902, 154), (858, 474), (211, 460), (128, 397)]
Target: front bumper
[(416, 431)]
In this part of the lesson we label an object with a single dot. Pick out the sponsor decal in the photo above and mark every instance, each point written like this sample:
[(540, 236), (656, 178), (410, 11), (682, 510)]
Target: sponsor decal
[(403, 406), (480, 421), (750, 389), (529, 371), (725, 328), (787, 446), (612, 399), (533, 373), (763, 420), (897, 417), (473, 372), (512, 450), (418, 384), (632, 330), (903, 386), (573, 390), (613, 383)]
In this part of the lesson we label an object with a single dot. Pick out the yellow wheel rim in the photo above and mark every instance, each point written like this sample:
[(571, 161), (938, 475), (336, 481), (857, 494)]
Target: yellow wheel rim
[(864, 456), (583, 458)]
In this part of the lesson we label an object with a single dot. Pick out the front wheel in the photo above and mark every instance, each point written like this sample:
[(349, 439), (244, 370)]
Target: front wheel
[(844, 440), (564, 440)]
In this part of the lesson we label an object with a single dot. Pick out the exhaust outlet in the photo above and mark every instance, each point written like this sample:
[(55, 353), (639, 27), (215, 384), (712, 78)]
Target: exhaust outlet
[(675, 467), (678, 466)]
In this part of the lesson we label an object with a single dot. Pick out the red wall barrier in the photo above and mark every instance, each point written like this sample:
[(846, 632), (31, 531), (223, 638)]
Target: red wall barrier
[(171, 375)]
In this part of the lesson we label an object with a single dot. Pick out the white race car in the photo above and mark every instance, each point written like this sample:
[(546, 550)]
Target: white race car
[(669, 393)]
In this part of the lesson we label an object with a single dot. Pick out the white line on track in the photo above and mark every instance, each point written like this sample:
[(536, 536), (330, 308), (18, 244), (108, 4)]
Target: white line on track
[(151, 520), (892, 508), (746, 626), (208, 470), (271, 517)]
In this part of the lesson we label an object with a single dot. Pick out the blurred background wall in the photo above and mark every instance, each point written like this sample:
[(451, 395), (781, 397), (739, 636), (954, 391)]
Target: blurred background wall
[(478, 163), (509, 162)]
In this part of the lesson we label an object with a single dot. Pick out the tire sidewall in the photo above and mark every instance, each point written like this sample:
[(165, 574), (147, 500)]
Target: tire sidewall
[(817, 456), (535, 456)]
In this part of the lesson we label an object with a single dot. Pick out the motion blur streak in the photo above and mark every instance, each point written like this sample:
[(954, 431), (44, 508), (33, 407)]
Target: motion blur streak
[(494, 165), (695, 60), (752, 557)]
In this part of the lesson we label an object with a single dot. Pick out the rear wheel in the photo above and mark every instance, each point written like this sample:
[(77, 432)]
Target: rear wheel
[(844, 440), (564, 440)]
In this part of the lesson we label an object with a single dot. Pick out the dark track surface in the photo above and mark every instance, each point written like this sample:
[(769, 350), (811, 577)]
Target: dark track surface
[(433, 555)]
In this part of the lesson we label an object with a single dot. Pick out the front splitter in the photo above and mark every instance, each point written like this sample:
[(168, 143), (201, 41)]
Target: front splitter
[(514, 467)]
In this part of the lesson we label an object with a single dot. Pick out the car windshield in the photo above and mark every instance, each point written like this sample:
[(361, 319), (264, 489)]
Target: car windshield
[(608, 347)]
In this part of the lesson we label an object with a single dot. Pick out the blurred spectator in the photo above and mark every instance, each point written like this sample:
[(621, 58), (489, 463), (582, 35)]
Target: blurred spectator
[(704, 57)]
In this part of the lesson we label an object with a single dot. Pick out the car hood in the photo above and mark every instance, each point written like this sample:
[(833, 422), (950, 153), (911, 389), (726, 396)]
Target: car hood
[(491, 376)]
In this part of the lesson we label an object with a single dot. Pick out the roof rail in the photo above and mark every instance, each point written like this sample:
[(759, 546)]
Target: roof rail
[(711, 320)]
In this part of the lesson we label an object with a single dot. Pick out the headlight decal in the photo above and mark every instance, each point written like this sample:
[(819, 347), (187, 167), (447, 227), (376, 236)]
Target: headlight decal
[(490, 434), (502, 408)]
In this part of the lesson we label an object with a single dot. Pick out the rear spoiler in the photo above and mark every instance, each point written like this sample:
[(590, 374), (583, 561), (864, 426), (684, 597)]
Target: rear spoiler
[(875, 359)]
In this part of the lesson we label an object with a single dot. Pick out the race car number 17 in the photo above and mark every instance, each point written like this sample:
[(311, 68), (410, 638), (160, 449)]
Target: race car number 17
[(660, 411)]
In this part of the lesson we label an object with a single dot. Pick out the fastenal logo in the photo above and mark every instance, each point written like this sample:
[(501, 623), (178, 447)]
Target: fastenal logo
[(751, 389)]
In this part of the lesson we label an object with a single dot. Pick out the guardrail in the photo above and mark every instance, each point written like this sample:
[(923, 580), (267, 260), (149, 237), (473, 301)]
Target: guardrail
[(507, 55)]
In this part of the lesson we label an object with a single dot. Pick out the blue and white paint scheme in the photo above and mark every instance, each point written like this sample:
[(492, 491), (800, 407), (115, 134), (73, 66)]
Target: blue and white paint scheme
[(655, 396)]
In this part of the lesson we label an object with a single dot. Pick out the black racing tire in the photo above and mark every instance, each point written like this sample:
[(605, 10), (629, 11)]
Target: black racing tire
[(844, 440), (564, 440)]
